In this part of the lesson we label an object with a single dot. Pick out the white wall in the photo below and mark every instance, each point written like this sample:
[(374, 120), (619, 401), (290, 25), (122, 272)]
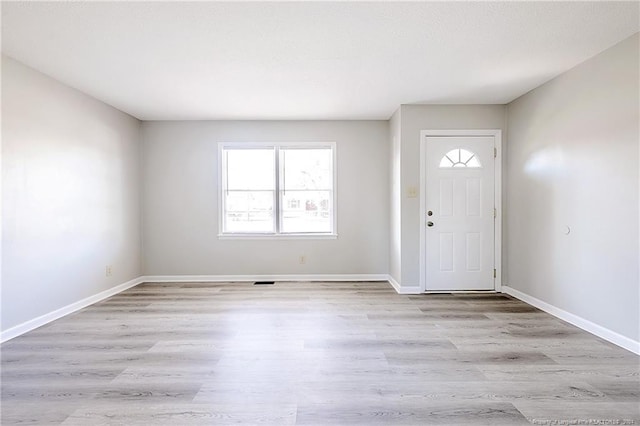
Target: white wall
[(573, 161), (70, 195), (415, 118), (395, 199), (181, 207)]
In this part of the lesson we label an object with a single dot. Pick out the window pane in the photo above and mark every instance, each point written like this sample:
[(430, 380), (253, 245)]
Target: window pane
[(306, 211), (465, 155), (473, 162), (446, 162), (310, 169), (248, 211), (250, 169)]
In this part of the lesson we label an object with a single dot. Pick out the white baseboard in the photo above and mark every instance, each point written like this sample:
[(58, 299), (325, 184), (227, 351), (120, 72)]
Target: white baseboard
[(394, 283), (403, 289), (593, 328), (249, 278), (409, 290), (66, 310)]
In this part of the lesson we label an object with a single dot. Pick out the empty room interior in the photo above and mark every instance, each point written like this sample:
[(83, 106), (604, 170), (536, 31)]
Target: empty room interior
[(320, 213)]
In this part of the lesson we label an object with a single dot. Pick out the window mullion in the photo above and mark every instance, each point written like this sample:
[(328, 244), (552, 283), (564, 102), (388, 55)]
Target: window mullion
[(277, 198), (225, 188)]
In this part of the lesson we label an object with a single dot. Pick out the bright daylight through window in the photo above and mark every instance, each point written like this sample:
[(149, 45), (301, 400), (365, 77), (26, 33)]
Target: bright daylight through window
[(277, 189), (459, 158)]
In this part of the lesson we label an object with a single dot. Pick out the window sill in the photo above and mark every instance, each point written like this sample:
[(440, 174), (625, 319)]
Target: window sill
[(277, 236)]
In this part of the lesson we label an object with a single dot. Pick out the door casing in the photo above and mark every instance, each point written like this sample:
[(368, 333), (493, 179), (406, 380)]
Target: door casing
[(497, 135)]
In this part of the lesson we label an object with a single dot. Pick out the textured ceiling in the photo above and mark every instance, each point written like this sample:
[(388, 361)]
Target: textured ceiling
[(306, 60)]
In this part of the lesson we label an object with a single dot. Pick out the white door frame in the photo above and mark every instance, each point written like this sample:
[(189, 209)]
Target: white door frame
[(497, 134)]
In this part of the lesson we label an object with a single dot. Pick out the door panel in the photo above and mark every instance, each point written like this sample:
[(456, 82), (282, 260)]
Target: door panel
[(460, 193)]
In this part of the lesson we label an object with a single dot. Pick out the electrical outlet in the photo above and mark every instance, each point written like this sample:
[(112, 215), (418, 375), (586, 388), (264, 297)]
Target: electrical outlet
[(303, 259), (108, 271)]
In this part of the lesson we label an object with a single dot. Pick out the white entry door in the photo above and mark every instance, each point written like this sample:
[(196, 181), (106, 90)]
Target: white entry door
[(459, 216)]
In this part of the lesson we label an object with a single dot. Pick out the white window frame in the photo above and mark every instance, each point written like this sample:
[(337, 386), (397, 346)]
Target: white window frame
[(277, 202)]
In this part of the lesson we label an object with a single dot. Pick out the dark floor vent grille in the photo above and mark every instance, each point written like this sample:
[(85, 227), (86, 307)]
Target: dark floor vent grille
[(264, 283)]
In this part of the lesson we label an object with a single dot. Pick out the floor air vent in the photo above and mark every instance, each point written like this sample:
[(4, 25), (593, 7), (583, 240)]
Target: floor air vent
[(264, 283)]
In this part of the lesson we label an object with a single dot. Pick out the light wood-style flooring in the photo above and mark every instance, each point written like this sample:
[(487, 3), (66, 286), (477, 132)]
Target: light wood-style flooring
[(313, 354)]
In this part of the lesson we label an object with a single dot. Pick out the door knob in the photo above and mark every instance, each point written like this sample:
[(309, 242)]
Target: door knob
[(429, 223)]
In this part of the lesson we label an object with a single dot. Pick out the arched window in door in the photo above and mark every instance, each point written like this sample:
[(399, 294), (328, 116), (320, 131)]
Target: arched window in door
[(459, 158)]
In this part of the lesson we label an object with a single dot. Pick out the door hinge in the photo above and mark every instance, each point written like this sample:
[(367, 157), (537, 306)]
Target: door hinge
[(495, 212), (494, 273), (495, 152)]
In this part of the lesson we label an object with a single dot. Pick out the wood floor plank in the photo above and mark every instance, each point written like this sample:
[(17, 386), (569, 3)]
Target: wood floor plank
[(580, 412), (396, 412), (313, 354), (184, 414)]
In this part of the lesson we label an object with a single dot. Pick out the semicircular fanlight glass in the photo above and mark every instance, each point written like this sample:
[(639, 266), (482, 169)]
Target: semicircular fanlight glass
[(460, 158)]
